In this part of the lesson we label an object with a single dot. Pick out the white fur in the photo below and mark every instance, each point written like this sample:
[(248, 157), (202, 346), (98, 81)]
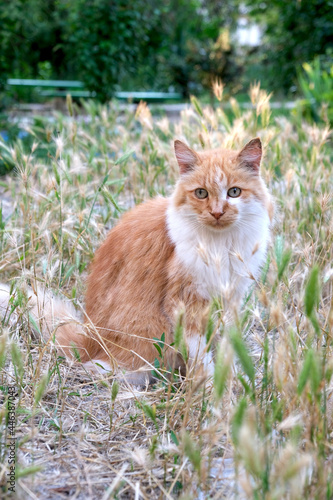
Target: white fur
[(101, 367), (4, 299), (198, 354), (221, 261), (43, 307)]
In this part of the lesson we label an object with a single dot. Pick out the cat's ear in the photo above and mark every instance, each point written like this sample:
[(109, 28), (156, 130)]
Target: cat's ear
[(186, 157), (251, 154)]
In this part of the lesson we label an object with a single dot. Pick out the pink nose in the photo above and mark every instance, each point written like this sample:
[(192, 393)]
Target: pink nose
[(217, 215)]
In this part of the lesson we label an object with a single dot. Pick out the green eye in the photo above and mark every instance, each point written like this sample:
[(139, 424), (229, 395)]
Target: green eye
[(201, 193), (234, 192)]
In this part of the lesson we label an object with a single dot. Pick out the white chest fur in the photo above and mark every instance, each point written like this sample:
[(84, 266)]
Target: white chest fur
[(221, 261)]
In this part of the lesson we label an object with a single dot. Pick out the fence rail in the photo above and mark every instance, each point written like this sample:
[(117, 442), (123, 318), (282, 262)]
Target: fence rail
[(54, 88)]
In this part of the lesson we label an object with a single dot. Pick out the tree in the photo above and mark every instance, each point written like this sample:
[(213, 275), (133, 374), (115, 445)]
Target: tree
[(112, 44), (106, 38), (295, 31)]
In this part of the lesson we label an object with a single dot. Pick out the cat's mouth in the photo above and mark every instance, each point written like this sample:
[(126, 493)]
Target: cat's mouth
[(220, 223)]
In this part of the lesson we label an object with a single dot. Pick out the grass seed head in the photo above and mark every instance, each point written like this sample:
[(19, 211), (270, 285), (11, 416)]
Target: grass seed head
[(218, 89)]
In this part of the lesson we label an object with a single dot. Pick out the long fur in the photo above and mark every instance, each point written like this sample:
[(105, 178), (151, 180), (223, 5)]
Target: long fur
[(166, 255)]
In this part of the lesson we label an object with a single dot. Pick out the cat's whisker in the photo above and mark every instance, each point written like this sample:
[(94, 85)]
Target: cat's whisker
[(169, 253)]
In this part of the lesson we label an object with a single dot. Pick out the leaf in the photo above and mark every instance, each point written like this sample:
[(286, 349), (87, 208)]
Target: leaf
[(160, 343), (284, 262), (95, 198), (192, 451), (197, 106), (221, 373), (282, 256), (210, 327), (174, 438), (157, 347), (179, 330), (238, 420), (179, 340), (109, 196), (41, 388), (315, 375), (69, 273), (17, 359), (114, 390), (149, 411), (242, 353), (3, 350), (305, 372), (28, 471), (124, 157), (115, 181), (278, 249), (312, 292), (75, 352), (246, 386)]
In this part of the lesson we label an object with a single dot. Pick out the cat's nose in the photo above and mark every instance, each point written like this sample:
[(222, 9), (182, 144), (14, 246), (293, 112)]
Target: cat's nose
[(217, 215)]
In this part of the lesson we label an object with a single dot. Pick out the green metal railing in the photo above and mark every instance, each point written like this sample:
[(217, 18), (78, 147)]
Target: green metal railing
[(53, 88)]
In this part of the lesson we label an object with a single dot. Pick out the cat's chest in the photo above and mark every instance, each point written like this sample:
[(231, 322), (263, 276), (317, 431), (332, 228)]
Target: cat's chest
[(218, 263), (209, 264)]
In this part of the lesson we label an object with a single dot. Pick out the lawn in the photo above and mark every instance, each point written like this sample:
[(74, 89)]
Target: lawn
[(263, 428)]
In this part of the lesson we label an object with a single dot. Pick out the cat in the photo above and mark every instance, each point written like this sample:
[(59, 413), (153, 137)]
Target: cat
[(209, 238)]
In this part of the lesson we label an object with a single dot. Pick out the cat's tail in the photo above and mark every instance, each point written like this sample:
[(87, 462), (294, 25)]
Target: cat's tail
[(52, 318), (56, 320)]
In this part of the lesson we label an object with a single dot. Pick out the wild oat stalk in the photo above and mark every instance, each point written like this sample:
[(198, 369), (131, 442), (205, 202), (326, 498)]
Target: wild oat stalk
[(264, 429)]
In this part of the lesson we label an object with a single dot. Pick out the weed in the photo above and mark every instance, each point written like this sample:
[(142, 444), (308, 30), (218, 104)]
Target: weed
[(263, 427)]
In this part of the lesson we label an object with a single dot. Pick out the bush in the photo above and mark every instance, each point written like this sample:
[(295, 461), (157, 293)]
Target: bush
[(316, 84), (111, 45), (294, 32)]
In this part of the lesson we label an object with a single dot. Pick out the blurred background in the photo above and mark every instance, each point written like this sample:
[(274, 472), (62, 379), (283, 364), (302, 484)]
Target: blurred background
[(167, 45)]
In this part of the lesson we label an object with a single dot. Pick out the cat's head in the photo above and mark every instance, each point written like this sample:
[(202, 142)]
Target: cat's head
[(220, 187)]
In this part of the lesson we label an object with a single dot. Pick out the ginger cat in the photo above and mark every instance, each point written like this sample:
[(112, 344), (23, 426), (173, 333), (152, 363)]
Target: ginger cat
[(209, 238)]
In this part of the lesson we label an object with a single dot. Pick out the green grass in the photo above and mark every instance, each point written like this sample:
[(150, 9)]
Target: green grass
[(263, 428)]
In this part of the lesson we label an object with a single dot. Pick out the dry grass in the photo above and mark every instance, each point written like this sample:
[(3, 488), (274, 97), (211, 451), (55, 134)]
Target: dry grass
[(264, 427)]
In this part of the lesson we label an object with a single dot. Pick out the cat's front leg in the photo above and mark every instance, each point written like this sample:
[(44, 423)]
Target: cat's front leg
[(194, 312), (200, 353)]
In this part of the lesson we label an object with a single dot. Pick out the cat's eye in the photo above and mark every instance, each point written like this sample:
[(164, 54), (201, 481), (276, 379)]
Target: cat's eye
[(234, 192), (201, 193)]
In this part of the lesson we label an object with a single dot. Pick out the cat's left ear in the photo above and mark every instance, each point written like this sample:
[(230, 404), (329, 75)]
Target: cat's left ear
[(251, 154), (186, 157)]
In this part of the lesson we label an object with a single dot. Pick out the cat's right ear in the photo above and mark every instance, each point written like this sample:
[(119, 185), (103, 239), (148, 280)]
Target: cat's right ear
[(186, 157), (251, 154)]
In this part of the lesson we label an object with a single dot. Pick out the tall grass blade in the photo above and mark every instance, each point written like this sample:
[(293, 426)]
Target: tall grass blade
[(312, 292), (242, 353)]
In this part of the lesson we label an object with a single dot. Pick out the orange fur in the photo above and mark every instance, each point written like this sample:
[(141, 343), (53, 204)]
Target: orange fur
[(136, 282), (149, 266)]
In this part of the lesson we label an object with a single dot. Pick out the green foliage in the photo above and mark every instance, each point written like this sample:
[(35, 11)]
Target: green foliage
[(149, 411), (114, 390), (312, 292), (41, 387), (282, 256), (179, 339), (109, 45), (242, 353), (316, 84), (105, 40), (266, 416), (310, 371), (195, 45), (238, 419), (294, 33), (31, 41), (17, 362), (221, 373), (192, 451)]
